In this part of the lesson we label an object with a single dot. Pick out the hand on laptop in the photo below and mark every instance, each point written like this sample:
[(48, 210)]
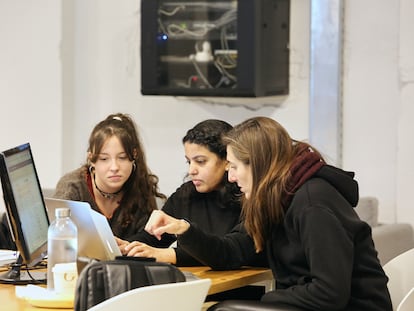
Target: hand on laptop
[(138, 249), (121, 244)]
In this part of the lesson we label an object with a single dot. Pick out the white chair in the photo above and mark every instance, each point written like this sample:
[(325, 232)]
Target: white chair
[(407, 304), (181, 296), (401, 276)]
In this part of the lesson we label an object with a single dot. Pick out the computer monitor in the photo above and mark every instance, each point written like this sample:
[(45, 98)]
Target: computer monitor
[(26, 212)]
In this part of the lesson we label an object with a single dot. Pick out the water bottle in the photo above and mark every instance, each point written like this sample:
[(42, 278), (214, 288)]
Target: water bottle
[(62, 248)]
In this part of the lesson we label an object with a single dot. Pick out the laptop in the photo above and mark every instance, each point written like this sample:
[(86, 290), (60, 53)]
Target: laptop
[(95, 237)]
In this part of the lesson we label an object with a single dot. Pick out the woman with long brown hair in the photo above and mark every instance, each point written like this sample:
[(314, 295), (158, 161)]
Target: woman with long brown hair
[(115, 180)]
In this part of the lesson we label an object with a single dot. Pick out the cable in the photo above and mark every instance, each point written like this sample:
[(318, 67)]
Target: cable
[(201, 75), (199, 29), (34, 281), (173, 12)]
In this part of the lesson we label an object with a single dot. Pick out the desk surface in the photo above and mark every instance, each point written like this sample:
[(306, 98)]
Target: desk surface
[(220, 281), (226, 280)]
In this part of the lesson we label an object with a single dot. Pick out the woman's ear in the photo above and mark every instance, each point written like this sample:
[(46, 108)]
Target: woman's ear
[(89, 158)]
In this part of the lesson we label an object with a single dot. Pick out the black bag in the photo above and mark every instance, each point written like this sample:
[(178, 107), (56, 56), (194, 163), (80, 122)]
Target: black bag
[(101, 280)]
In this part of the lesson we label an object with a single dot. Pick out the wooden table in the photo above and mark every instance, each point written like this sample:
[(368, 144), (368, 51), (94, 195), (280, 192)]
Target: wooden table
[(221, 281), (225, 280)]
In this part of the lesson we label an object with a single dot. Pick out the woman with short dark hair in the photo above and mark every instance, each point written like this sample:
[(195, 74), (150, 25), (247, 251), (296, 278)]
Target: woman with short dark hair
[(207, 198)]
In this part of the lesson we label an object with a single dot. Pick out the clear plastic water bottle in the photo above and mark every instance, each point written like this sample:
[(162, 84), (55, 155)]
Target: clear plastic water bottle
[(62, 243)]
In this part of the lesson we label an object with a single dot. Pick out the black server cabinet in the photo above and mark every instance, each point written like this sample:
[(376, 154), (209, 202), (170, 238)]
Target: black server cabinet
[(237, 48)]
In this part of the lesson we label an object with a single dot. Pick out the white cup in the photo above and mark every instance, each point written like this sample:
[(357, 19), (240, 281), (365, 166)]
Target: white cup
[(64, 277)]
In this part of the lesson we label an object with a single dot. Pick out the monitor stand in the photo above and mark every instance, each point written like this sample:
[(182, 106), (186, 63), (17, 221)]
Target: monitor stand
[(16, 276)]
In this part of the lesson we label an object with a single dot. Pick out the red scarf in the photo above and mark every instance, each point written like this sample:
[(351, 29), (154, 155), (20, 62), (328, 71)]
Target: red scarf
[(304, 166)]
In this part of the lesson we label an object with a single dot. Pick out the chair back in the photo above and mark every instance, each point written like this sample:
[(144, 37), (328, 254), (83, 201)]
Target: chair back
[(183, 296), (407, 304), (401, 276)]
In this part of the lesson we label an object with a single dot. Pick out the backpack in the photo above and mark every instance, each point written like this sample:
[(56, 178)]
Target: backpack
[(101, 280)]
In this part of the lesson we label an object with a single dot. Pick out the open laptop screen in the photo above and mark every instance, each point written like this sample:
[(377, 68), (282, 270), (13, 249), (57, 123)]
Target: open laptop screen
[(95, 237)]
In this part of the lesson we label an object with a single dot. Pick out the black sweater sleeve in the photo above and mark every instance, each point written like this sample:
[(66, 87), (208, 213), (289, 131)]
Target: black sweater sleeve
[(184, 259), (230, 251)]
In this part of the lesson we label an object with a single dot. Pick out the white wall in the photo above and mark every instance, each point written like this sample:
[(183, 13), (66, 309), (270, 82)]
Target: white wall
[(30, 81), (378, 96), (405, 145), (100, 74), (372, 97)]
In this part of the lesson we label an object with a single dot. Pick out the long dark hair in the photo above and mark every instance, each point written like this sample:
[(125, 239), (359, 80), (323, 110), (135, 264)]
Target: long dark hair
[(141, 189)]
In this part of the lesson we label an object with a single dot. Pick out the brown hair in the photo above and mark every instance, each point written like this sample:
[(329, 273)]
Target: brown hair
[(265, 146)]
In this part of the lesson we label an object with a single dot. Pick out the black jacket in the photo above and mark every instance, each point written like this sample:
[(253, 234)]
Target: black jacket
[(216, 212), (321, 254)]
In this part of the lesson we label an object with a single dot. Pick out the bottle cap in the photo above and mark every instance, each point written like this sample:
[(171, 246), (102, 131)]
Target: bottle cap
[(62, 212)]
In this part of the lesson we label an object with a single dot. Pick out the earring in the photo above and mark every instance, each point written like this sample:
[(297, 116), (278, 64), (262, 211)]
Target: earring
[(91, 168), (134, 166)]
